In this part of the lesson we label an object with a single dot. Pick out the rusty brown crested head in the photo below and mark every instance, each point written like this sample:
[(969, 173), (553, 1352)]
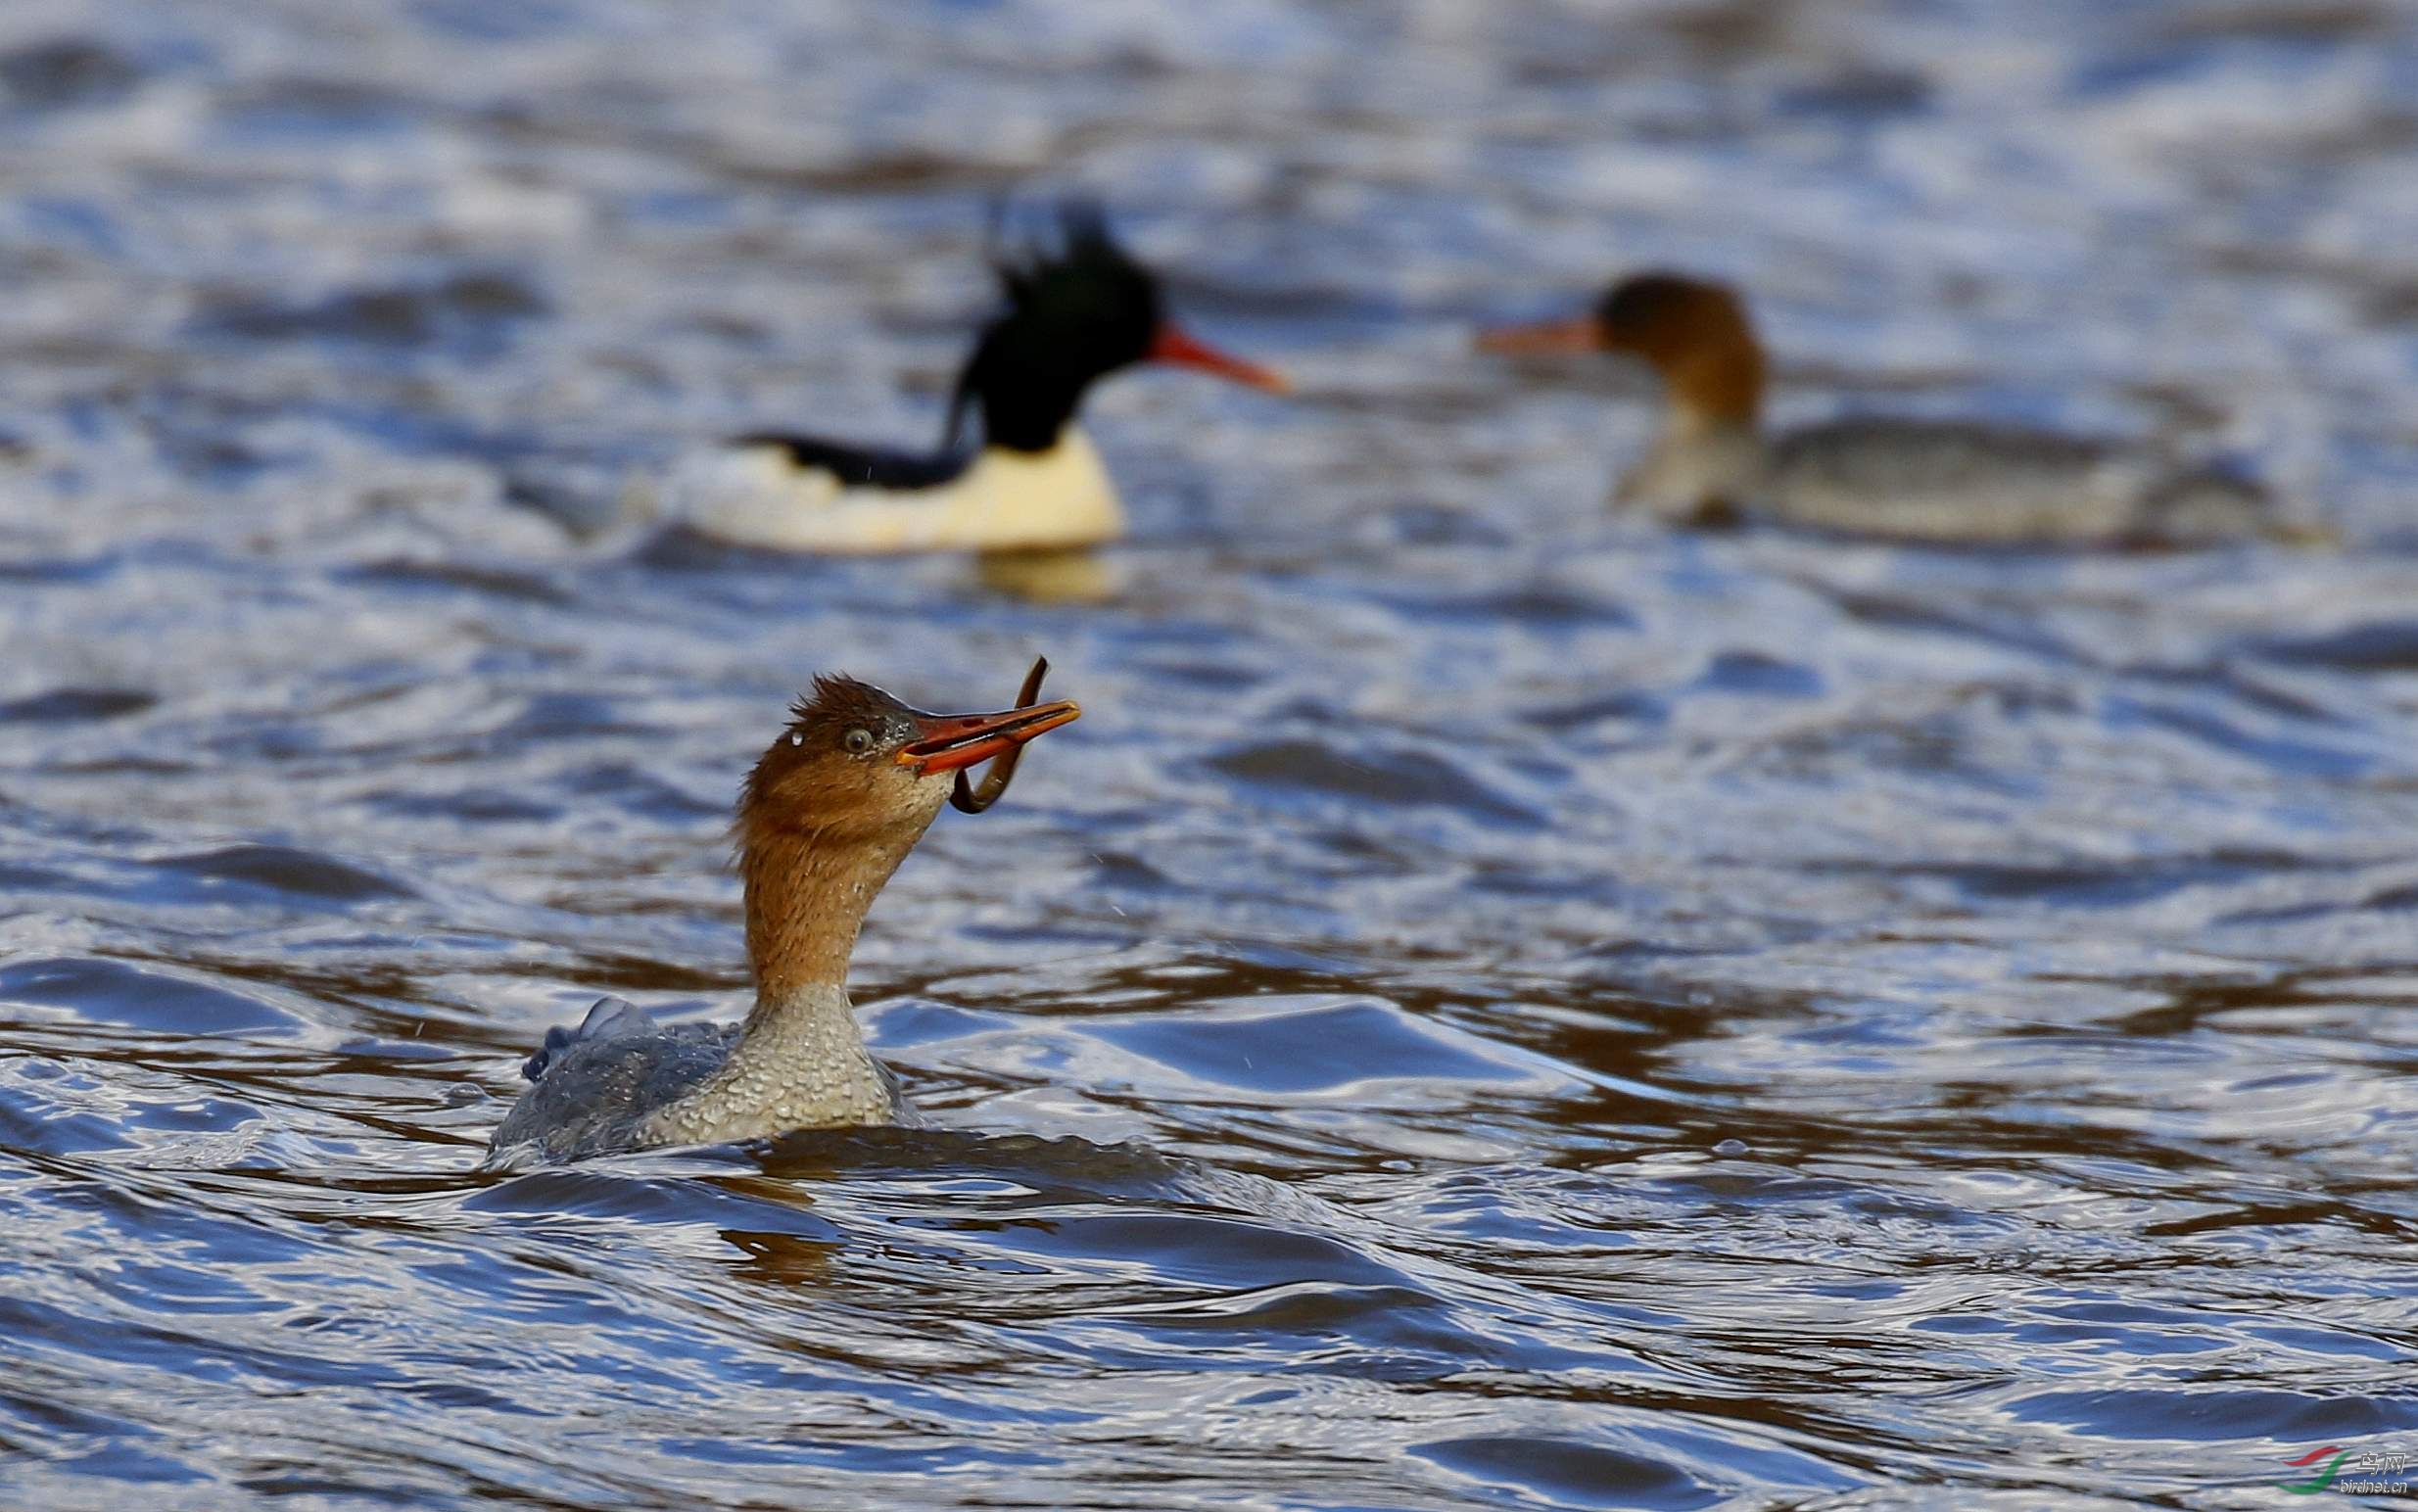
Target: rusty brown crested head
[(836, 802), (1692, 331), (853, 761)]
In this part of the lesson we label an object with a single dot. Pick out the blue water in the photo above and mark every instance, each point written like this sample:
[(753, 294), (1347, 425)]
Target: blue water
[(1495, 1004)]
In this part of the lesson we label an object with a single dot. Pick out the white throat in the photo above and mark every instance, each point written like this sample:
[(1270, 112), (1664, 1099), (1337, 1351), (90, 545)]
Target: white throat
[(1698, 462)]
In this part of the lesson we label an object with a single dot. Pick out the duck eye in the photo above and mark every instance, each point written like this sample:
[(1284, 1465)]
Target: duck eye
[(858, 741)]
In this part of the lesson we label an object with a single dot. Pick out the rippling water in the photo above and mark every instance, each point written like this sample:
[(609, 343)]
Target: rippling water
[(1495, 1004)]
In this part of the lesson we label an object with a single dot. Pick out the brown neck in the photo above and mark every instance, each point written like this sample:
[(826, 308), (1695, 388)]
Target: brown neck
[(1718, 382), (807, 895)]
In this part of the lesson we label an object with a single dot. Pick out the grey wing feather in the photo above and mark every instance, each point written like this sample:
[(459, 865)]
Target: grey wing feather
[(594, 1087), (1951, 480), (1882, 454), (606, 1017)]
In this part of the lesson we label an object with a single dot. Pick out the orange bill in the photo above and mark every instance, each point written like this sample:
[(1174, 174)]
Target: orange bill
[(1579, 333), (952, 742), (1179, 347)]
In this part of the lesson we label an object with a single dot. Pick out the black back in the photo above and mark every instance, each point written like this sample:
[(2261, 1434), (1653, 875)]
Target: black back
[(866, 466)]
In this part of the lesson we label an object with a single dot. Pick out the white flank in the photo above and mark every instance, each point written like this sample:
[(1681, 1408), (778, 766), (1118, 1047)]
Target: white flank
[(1004, 501)]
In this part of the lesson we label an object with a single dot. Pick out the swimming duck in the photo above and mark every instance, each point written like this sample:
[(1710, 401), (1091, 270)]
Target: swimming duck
[(831, 808), (1034, 482), (1902, 478)]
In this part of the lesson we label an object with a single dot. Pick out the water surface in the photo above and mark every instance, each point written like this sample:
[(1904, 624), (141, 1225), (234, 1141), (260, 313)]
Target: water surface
[(1495, 1004)]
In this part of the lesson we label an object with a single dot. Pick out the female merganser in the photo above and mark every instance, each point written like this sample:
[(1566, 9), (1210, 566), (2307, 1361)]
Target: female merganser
[(1035, 483), (1900, 478), (828, 814)]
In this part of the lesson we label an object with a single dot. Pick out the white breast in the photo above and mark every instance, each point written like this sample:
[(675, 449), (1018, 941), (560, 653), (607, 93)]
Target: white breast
[(1003, 501), (1693, 465)]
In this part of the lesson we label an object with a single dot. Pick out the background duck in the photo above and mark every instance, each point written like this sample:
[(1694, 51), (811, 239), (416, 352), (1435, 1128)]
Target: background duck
[(1897, 477), (1035, 481)]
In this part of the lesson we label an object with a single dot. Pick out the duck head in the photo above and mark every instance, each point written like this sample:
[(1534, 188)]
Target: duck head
[(836, 802), (1075, 315), (856, 763), (1693, 332)]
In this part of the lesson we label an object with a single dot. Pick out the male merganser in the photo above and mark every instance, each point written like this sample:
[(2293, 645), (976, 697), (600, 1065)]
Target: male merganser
[(828, 814), (1035, 482), (1894, 477)]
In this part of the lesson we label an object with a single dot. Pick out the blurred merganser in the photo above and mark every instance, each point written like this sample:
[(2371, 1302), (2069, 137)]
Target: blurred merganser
[(1034, 482), (1892, 477), (827, 815)]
